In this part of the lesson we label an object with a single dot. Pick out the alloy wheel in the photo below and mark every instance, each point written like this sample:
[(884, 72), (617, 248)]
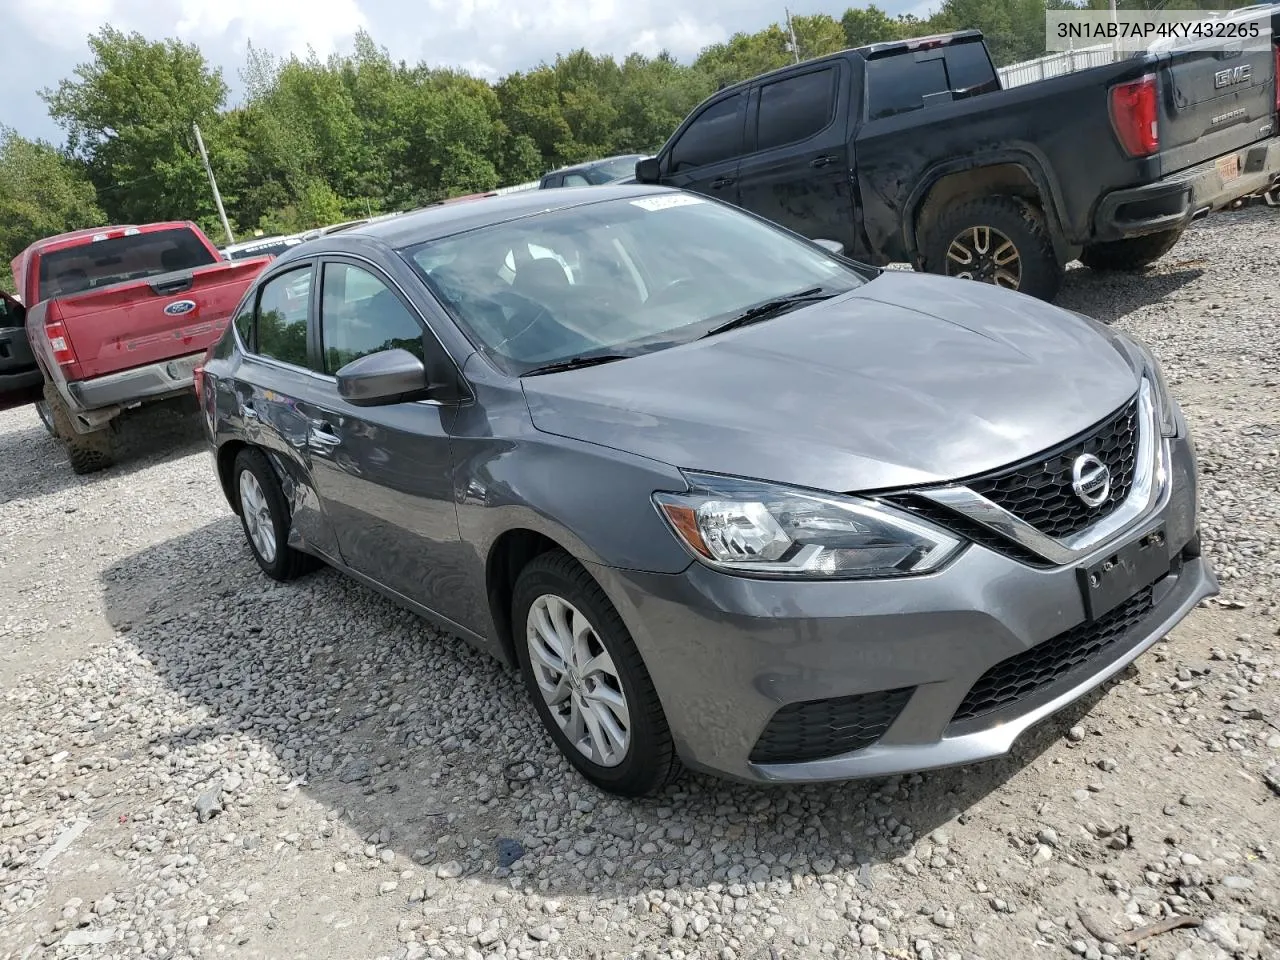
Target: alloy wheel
[(257, 516), (985, 254), (578, 679)]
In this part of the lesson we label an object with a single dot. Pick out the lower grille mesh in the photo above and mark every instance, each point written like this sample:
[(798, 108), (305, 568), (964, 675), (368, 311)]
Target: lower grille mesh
[(1023, 674), (817, 729)]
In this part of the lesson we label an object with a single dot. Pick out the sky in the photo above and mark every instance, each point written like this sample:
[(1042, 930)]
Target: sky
[(45, 39)]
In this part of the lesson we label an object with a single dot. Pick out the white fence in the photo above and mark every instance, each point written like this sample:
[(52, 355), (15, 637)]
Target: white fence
[(1056, 65), (516, 188)]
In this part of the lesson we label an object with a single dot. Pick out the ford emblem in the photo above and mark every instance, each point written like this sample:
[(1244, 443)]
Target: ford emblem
[(179, 307)]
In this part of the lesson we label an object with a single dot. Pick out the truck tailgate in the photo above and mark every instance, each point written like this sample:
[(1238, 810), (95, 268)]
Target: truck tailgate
[(146, 321), (1214, 102)]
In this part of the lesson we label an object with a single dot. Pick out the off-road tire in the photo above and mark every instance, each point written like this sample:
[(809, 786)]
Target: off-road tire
[(88, 452), (1021, 222), (650, 763), (288, 563), (1131, 254)]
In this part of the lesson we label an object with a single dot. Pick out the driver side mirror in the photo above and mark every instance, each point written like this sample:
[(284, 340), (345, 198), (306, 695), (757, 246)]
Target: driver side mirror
[(386, 377), (648, 170), (835, 246)]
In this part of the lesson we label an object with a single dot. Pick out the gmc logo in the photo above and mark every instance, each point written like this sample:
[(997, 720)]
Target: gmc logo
[(1226, 78)]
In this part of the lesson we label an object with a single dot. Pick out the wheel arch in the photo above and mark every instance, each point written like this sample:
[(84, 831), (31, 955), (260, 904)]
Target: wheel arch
[(510, 553), (1018, 173)]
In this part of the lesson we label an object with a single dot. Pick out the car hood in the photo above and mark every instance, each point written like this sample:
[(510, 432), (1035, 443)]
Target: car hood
[(909, 379)]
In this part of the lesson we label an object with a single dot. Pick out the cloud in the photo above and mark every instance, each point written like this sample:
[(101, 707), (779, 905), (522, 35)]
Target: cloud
[(45, 39)]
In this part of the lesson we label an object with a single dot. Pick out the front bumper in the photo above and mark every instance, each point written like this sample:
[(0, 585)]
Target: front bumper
[(726, 653), (1178, 199)]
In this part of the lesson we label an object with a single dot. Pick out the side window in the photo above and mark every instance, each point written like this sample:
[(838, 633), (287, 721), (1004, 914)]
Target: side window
[(795, 108), (244, 324), (360, 315), (552, 181), (282, 317), (716, 134), (575, 180)]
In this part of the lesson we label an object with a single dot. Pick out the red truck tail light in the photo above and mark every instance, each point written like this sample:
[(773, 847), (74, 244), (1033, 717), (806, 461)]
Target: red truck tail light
[(1134, 116), (63, 355), (197, 374)]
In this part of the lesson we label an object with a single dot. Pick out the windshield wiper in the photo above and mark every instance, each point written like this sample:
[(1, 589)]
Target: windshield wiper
[(575, 363), (770, 308)]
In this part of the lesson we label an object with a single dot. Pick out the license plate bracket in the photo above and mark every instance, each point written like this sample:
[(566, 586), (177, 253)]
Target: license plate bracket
[(1112, 580), (1228, 167)]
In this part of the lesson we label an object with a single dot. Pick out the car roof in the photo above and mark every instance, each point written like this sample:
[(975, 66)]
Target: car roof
[(432, 223)]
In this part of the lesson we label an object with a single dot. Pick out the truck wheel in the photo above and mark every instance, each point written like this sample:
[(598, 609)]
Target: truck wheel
[(1133, 253), (88, 452), (998, 240)]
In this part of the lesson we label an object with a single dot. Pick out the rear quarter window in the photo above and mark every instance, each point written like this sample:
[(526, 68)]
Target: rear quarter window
[(899, 84)]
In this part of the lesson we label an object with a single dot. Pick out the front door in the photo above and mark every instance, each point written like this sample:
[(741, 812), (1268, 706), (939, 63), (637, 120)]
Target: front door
[(704, 157), (798, 172), (383, 473)]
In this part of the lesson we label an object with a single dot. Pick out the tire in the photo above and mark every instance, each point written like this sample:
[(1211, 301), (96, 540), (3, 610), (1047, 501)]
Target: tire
[(648, 761), (1002, 220), (46, 416), (267, 511), (1133, 253), (88, 452)]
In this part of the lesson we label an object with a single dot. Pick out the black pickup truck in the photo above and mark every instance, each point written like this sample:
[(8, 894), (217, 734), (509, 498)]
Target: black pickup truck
[(912, 152)]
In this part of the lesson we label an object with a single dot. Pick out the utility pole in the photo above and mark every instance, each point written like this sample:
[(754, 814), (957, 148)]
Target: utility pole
[(217, 197), (795, 47)]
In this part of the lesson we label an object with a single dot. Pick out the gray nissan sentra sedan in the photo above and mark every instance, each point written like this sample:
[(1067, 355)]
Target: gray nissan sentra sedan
[(726, 498)]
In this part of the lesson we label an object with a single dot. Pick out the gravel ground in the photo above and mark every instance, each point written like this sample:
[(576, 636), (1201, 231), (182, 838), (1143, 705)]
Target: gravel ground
[(196, 762)]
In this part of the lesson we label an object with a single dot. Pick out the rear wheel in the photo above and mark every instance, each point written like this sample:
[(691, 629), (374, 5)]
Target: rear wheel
[(588, 681), (1133, 253), (265, 516), (88, 452), (998, 240)]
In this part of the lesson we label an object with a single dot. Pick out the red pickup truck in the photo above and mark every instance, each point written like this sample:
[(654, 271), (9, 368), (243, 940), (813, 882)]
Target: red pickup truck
[(116, 317)]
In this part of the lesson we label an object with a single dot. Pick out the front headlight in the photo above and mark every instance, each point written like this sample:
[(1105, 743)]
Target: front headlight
[(1166, 407), (764, 529)]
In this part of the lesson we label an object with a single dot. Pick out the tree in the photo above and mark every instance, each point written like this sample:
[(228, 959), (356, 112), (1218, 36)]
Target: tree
[(867, 25), (42, 193), (128, 114)]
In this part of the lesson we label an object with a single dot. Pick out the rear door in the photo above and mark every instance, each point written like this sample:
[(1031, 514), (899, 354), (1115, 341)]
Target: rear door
[(1214, 101), (704, 156), (798, 170), (384, 474), (272, 383)]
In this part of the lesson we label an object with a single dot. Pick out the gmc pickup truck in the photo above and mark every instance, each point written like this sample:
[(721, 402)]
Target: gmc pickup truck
[(116, 317), (912, 152)]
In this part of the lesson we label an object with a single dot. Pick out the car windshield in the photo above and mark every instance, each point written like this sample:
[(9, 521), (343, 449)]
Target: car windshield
[(614, 169), (135, 256), (621, 276)]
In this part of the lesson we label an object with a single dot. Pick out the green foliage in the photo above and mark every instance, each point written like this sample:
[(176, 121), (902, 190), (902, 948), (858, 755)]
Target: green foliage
[(318, 141), (42, 193)]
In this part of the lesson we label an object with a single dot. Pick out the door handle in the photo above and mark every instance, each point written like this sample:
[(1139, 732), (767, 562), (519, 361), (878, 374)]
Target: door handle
[(822, 161), (722, 182), (322, 432)]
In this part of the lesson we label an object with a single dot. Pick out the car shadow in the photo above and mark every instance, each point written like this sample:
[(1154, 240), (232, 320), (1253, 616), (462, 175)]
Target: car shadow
[(1107, 297), (358, 701), (37, 465)]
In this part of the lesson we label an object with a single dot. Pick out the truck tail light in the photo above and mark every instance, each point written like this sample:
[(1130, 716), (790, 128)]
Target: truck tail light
[(63, 354), (1134, 116), (197, 374)]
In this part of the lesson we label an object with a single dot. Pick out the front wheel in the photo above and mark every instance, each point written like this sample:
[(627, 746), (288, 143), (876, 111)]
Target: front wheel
[(588, 681), (998, 240)]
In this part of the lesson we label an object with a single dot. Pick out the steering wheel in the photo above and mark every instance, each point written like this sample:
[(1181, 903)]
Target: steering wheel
[(675, 286)]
